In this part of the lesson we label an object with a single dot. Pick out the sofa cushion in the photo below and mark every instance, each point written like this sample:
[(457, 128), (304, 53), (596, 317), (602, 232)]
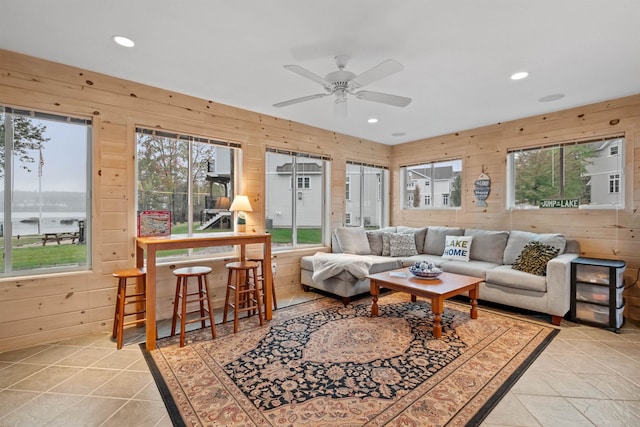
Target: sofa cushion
[(436, 236), (534, 258), (380, 264), (353, 240), (375, 242), (470, 268), (306, 262), (402, 244), (506, 276), (420, 235), (487, 245), (518, 239), (375, 239), (457, 248)]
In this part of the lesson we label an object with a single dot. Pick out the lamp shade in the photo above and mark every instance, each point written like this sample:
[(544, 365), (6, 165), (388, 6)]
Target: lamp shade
[(241, 203)]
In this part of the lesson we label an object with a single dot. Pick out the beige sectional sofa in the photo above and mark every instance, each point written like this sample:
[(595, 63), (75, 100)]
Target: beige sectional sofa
[(492, 255)]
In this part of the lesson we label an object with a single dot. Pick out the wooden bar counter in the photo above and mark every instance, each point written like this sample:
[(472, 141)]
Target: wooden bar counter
[(147, 248)]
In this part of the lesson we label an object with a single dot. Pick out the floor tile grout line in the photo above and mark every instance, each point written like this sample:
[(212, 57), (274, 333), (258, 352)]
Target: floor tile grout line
[(113, 414), (38, 394), (574, 334)]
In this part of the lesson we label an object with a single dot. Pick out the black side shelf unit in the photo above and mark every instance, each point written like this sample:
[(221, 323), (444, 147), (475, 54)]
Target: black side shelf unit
[(596, 292)]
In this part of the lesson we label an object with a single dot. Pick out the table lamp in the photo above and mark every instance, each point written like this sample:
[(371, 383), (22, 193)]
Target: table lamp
[(241, 205)]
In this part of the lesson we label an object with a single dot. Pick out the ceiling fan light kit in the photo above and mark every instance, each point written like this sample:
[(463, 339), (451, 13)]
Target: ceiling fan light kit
[(342, 83)]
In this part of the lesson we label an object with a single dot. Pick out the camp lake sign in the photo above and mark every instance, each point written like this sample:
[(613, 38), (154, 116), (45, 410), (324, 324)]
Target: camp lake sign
[(560, 203)]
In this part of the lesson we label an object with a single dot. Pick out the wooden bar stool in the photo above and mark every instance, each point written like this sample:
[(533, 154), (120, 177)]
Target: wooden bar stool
[(183, 297), (123, 299), (246, 292), (260, 261)]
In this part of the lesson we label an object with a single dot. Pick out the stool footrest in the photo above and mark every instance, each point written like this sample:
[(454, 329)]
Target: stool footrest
[(198, 295), (123, 299), (134, 322)]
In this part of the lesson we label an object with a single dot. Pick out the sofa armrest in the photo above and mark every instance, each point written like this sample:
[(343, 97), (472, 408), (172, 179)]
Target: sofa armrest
[(559, 283)]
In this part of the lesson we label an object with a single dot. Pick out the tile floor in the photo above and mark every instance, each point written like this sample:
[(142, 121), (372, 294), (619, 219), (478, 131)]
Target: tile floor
[(586, 377)]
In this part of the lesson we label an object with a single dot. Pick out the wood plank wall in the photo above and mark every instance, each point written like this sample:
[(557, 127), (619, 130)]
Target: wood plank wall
[(612, 234), (48, 308)]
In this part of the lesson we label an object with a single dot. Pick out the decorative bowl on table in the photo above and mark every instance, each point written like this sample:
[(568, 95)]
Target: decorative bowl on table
[(425, 270)]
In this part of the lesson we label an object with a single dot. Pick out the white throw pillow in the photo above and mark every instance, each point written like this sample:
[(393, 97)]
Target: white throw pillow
[(457, 248), (353, 240)]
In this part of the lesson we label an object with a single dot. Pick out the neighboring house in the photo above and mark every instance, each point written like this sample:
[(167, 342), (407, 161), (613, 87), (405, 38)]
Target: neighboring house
[(371, 206), (605, 171), (434, 190), (215, 212), (306, 192)]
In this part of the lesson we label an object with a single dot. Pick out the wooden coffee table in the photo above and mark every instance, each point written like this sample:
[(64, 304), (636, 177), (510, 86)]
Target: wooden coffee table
[(439, 289)]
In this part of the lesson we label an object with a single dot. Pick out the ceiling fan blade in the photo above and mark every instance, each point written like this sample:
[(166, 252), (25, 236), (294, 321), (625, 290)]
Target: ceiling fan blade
[(307, 74), (385, 98), (378, 72), (301, 99)]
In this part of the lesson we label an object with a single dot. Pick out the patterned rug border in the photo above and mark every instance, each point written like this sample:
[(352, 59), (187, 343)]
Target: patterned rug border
[(325, 303), (163, 388), (513, 378)]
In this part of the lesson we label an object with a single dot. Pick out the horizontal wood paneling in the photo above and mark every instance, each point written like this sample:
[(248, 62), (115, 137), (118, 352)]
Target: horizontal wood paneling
[(602, 233), (40, 309), (43, 304)]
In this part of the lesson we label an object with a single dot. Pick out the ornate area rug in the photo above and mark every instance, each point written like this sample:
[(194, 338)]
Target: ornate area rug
[(323, 364)]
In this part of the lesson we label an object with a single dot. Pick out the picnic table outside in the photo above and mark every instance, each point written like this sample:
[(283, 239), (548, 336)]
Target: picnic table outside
[(58, 237)]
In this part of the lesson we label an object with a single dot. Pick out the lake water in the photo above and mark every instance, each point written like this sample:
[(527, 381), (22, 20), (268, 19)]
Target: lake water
[(50, 222)]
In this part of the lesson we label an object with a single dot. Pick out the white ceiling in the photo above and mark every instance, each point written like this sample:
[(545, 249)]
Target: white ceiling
[(457, 54)]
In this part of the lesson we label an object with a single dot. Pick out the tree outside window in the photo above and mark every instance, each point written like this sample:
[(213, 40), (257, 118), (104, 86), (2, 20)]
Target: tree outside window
[(189, 176), (586, 171)]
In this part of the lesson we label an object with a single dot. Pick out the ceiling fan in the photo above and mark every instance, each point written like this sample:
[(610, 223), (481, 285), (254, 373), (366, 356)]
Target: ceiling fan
[(342, 83)]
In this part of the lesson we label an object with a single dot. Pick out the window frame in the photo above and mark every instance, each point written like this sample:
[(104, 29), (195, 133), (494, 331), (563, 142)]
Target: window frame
[(296, 198), (620, 143), (234, 173), (84, 234), (381, 202), (431, 184), (304, 183), (614, 183)]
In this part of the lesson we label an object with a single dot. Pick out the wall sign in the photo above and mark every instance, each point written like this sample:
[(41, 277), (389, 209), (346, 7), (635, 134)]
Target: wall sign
[(560, 203), (482, 190)]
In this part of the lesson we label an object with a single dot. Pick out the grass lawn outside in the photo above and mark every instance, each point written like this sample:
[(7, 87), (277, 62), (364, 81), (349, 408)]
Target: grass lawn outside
[(28, 252)]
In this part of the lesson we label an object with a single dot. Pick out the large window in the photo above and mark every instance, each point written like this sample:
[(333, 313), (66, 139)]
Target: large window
[(295, 214), (192, 177), (435, 185), (366, 202), (592, 172), (45, 205)]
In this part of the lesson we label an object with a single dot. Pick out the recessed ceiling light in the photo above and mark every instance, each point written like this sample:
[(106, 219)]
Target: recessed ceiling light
[(123, 41), (550, 98), (372, 120), (519, 75)]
